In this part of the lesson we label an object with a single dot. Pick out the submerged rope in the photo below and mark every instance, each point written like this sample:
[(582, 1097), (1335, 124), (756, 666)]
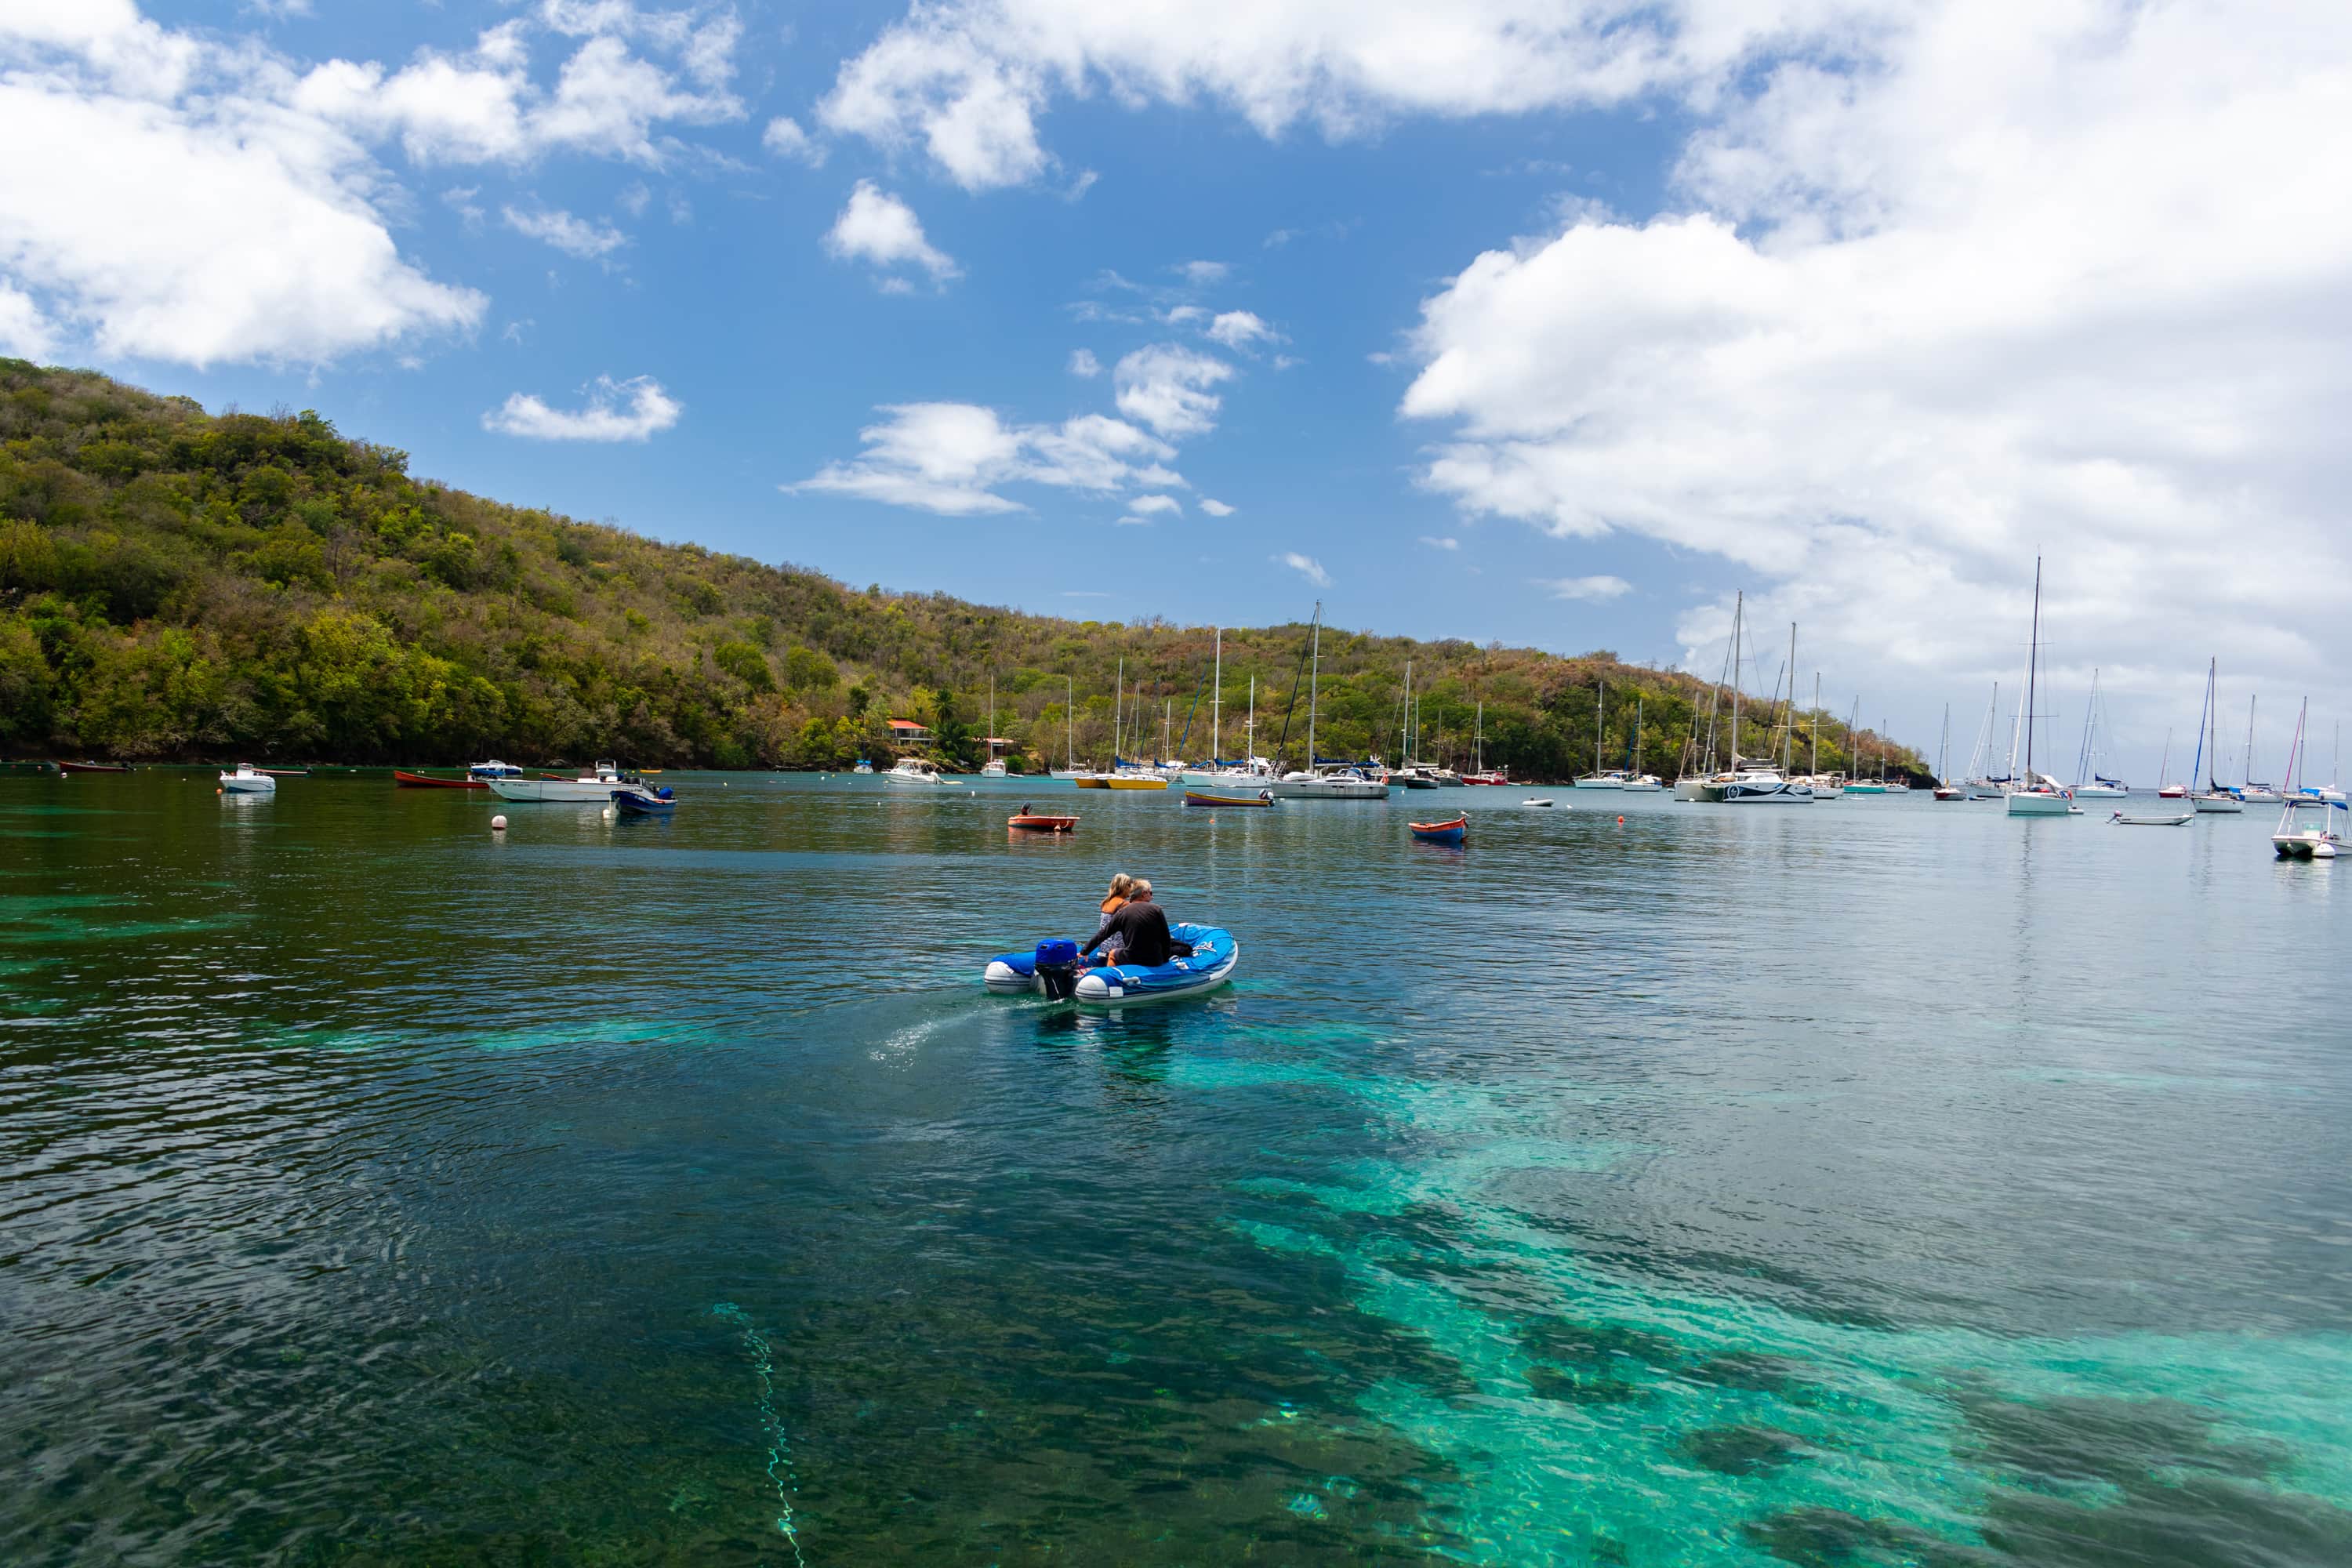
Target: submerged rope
[(779, 1453)]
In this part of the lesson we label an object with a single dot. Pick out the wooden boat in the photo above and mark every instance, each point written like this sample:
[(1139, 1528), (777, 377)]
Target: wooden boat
[(1452, 832), (406, 780), (1206, 797), (93, 767), (1041, 822)]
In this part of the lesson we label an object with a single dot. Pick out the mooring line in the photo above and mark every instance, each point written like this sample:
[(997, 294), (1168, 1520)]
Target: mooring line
[(779, 1453)]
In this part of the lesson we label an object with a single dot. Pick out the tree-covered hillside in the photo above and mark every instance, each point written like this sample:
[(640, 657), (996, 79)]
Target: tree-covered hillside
[(175, 584)]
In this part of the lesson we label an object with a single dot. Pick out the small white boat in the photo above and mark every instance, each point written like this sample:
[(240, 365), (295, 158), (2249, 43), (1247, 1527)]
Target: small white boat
[(2218, 802), (2316, 840), (2035, 794), (1647, 783), (247, 780), (992, 769), (493, 769), (1541, 803), (594, 788), (863, 767), (2164, 819), (913, 771)]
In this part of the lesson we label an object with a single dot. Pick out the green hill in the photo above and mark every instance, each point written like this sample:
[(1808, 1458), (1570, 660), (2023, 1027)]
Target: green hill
[(180, 586)]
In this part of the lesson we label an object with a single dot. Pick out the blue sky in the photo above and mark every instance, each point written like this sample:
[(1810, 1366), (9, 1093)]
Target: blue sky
[(1856, 306)]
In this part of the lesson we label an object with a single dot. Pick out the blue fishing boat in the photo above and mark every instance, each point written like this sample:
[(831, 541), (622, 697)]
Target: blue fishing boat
[(643, 802), (1052, 970), (1454, 832)]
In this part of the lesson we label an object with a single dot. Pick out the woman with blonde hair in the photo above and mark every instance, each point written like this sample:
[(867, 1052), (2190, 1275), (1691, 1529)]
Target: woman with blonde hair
[(1122, 886)]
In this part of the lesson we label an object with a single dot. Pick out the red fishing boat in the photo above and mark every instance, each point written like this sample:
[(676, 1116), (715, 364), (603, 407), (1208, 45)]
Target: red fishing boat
[(426, 780), (1037, 821), (93, 767)]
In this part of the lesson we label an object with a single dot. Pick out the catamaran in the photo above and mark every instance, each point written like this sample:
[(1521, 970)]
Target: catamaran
[(1319, 780), (2036, 795)]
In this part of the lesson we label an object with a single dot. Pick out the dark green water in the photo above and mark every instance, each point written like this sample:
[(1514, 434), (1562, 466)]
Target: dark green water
[(1876, 1183)]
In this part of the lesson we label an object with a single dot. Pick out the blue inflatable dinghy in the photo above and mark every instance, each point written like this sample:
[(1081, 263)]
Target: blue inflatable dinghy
[(1050, 970)]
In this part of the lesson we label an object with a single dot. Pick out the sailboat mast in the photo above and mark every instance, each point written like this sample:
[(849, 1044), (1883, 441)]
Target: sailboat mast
[(1738, 607), (1944, 746), (1599, 696), (1314, 678), (2196, 763), (1637, 733), (1813, 734), (1252, 759), (2082, 771), (1118, 709), (1216, 696), (2032, 671), (1070, 721), (1789, 731), (2249, 777)]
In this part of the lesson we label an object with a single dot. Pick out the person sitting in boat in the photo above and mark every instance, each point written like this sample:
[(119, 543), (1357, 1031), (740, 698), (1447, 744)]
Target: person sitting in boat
[(1120, 887), (1136, 933)]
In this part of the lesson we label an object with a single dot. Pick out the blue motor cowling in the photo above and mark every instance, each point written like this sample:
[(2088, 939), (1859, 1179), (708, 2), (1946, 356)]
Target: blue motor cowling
[(1058, 969)]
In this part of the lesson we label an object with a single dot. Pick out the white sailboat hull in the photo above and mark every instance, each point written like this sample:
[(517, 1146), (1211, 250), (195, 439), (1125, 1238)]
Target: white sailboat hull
[(2027, 803), (577, 792), (2099, 792), (1328, 789), (2217, 805)]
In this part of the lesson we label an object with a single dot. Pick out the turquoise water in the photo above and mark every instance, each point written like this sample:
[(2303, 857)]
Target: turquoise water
[(1875, 1183)]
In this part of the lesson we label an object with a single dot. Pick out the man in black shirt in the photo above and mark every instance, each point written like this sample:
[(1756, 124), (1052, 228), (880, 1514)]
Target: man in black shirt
[(1137, 931)]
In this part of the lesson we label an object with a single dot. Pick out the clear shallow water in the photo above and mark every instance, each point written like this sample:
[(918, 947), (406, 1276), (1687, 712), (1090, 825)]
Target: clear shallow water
[(1872, 1182)]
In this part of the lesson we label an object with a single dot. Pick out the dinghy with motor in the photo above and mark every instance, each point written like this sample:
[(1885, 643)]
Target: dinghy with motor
[(1053, 970), (1209, 798), (1541, 803), (1041, 822), (2166, 819), (247, 780), (641, 801)]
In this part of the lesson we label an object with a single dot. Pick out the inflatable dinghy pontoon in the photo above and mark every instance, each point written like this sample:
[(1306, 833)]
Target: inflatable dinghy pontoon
[(1050, 970)]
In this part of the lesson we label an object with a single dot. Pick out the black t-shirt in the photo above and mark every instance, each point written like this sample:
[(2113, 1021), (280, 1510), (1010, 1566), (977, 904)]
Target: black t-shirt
[(1139, 929)]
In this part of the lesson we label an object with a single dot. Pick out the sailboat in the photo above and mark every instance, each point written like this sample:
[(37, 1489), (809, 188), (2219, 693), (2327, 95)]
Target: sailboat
[(1600, 778), (1980, 784), (2248, 789), (2307, 825), (2091, 784), (2212, 800), (1945, 791), (1069, 730), (1251, 771), (1317, 781), (2166, 789), (2036, 795), (994, 767), (1701, 786), (1636, 781), (1825, 786), (1480, 773), (1856, 784), (1769, 786)]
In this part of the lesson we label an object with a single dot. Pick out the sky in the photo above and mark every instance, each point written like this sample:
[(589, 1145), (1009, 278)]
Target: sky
[(1558, 324)]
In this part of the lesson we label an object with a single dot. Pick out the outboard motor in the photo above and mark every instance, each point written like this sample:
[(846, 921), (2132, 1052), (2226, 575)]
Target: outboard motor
[(1058, 969)]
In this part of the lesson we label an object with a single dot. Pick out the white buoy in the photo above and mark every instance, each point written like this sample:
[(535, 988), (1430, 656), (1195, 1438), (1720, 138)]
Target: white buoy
[(498, 825)]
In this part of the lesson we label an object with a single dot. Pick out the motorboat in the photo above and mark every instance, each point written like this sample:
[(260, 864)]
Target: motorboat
[(1538, 802), (594, 788), (1765, 786), (483, 773), (1951, 793), (863, 767), (1212, 797), (2141, 819), (639, 801), (247, 780), (1413, 776), (1452, 832), (1491, 776), (1041, 822), (1052, 970), (913, 771), (2314, 839)]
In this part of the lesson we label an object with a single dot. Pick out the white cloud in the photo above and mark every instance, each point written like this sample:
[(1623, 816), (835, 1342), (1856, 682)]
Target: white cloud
[(1595, 590), (604, 416), (232, 228), (635, 197), (573, 236), (1434, 542), (279, 9), (949, 458), (785, 139), (967, 80), (2064, 279), (23, 334), (1083, 364), (1166, 387), (1143, 508), (1201, 274), (1215, 508), (876, 226), (1305, 566), (1239, 328)]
